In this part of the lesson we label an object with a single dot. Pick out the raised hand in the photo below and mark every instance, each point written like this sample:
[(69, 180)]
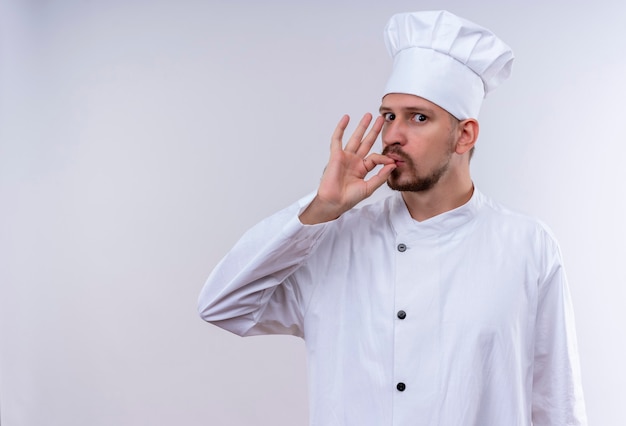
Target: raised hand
[(343, 183)]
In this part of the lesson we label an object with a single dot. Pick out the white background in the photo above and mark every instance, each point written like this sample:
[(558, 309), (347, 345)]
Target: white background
[(140, 139)]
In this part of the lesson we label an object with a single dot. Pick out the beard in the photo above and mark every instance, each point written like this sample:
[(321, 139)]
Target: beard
[(413, 182)]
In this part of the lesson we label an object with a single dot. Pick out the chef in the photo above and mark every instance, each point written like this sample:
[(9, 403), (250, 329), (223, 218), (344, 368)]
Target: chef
[(436, 305)]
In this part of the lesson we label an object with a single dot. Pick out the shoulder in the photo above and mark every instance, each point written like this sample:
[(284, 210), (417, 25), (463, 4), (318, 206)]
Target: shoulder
[(516, 226)]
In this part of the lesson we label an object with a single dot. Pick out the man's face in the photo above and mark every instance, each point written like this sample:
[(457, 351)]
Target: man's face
[(420, 137)]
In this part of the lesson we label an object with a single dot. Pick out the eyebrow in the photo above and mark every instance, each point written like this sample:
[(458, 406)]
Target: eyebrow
[(419, 109)]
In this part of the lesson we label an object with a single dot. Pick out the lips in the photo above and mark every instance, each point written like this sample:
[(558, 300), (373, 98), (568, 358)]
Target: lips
[(397, 159), (396, 155)]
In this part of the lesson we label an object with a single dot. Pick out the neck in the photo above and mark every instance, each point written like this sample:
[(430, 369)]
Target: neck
[(446, 195)]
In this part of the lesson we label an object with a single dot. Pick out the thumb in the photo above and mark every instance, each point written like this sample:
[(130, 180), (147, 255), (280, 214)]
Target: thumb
[(379, 178)]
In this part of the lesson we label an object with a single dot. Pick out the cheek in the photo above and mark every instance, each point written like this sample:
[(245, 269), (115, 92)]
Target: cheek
[(428, 150)]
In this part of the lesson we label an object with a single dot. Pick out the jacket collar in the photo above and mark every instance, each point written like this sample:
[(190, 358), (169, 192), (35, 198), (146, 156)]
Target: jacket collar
[(407, 227)]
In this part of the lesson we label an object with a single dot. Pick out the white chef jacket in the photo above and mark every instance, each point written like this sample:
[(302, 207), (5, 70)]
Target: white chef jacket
[(463, 319)]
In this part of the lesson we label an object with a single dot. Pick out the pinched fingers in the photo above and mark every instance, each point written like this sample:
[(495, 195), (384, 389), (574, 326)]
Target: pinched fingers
[(375, 159), (376, 181), (379, 178)]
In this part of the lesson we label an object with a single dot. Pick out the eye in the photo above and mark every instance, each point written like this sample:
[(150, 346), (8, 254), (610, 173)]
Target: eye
[(420, 118), (389, 116)]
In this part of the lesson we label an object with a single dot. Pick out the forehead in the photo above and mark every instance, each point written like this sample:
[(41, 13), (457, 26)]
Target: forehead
[(400, 101)]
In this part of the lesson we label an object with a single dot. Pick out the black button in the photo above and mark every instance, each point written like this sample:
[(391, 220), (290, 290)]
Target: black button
[(401, 314), (401, 387), (401, 247)]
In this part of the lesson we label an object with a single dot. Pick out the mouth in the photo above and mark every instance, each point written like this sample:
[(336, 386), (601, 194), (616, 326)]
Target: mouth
[(398, 158), (398, 161)]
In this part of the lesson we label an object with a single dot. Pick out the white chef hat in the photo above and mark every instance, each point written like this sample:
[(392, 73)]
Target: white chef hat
[(445, 59)]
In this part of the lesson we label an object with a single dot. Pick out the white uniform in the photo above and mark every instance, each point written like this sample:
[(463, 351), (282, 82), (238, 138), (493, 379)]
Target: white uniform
[(463, 319)]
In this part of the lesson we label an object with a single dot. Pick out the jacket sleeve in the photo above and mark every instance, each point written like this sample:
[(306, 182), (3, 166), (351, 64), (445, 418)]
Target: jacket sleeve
[(557, 388), (255, 289)]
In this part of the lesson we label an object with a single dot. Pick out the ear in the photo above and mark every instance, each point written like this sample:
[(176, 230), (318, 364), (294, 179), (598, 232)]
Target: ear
[(468, 134)]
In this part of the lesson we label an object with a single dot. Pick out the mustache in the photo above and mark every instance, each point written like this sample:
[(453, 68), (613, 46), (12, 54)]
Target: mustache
[(396, 150)]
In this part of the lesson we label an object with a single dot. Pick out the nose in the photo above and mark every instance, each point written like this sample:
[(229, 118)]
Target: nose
[(394, 132)]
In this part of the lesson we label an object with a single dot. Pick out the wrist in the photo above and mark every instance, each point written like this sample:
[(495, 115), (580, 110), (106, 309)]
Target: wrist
[(319, 212)]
